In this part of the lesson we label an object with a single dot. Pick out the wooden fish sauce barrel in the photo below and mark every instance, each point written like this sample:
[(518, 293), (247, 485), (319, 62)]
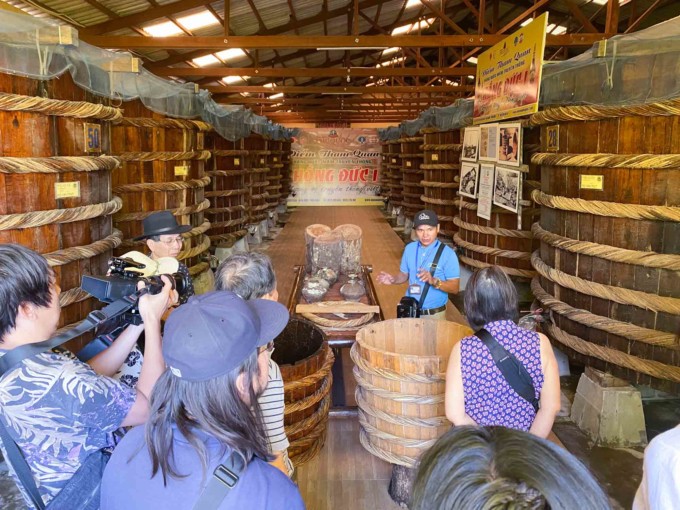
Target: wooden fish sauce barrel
[(400, 368), (393, 176), (163, 170), (502, 241), (609, 230), (412, 175), (256, 183), (441, 169), (351, 248), (226, 191), (286, 170), (305, 360), (385, 189), (53, 135), (275, 164)]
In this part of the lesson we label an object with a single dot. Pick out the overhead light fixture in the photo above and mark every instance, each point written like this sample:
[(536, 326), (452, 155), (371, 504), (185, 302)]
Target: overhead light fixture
[(346, 48)]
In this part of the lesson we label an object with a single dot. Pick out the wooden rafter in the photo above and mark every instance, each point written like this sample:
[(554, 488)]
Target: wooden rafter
[(331, 72), (337, 90)]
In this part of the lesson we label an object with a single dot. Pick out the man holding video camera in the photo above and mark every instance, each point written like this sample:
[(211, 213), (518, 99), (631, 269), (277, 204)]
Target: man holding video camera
[(60, 412), (430, 267)]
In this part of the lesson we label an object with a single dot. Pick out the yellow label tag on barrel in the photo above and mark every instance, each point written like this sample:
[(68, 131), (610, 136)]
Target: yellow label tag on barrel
[(591, 182), (261, 161), (408, 163), (394, 160), (553, 142), (181, 171), (275, 159), (237, 161), (435, 157), (93, 137), (67, 190)]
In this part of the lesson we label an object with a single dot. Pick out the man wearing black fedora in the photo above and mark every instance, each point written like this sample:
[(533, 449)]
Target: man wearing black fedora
[(163, 236)]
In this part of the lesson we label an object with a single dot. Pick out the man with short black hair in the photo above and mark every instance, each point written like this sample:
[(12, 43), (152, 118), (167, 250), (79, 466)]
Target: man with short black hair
[(58, 410), (416, 264), (204, 419)]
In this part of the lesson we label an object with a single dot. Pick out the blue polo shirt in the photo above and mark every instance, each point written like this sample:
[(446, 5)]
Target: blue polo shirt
[(417, 257)]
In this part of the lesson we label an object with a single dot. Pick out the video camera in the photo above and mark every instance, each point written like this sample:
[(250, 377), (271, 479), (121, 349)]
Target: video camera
[(121, 283)]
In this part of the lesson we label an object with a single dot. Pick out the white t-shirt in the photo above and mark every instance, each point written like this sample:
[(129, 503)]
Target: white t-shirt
[(660, 487)]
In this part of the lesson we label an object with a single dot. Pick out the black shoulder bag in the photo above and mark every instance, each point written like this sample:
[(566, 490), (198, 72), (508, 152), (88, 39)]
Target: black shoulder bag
[(408, 306), (82, 489), (223, 480), (512, 369)]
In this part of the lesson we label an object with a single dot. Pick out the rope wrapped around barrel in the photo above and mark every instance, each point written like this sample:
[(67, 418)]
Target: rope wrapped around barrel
[(312, 379), (196, 250), (394, 396), (311, 421), (391, 374), (226, 153), (229, 238), (314, 398), (456, 147), (396, 419), (511, 271), (57, 164), (166, 123), (68, 255), (40, 218), (392, 458), (440, 166), (225, 193), (180, 211), (489, 250), (58, 107), (311, 444), (638, 161), (569, 113), (199, 155), (163, 186), (230, 223), (221, 210), (226, 173)]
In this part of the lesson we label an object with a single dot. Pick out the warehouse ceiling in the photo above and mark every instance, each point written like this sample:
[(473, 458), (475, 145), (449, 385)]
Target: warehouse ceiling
[(337, 60)]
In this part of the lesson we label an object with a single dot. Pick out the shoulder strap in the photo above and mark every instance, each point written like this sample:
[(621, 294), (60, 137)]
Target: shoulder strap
[(21, 468), (433, 268), (222, 481), (512, 369)]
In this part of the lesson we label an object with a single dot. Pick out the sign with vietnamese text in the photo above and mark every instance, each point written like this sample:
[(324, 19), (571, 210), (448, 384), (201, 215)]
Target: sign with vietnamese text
[(335, 167), (509, 75)]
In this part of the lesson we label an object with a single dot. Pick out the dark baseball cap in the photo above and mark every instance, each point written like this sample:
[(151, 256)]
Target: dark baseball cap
[(425, 217), (214, 333)]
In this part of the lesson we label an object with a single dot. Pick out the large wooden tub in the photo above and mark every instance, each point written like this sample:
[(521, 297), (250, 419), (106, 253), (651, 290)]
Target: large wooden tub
[(609, 260), (400, 368)]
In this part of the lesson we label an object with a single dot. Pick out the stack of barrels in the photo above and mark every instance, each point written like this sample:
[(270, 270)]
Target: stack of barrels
[(256, 182), (385, 189), (163, 169), (226, 192), (286, 177), (441, 169), (506, 239), (609, 230), (55, 183), (275, 164), (412, 176)]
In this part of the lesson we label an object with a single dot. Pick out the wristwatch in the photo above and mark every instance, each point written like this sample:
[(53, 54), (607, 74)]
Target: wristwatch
[(437, 283)]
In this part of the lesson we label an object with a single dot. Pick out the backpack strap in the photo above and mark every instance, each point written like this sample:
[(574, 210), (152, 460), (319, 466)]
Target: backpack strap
[(433, 268), (18, 462), (512, 369), (222, 481)]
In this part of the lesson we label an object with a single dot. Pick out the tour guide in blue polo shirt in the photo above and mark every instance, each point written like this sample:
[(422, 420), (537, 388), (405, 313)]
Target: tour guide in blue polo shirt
[(416, 264)]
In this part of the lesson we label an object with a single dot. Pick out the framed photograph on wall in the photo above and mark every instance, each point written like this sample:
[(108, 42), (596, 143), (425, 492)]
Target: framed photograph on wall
[(507, 188), (469, 176), (488, 142), (470, 144), (485, 191), (509, 144)]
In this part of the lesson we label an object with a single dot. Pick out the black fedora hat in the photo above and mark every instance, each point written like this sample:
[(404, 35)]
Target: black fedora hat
[(161, 223)]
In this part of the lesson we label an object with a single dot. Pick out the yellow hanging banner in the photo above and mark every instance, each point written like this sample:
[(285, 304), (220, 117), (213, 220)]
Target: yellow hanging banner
[(509, 75)]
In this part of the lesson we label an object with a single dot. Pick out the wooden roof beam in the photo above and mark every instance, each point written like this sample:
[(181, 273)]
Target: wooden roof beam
[(314, 72), (340, 90), (335, 41)]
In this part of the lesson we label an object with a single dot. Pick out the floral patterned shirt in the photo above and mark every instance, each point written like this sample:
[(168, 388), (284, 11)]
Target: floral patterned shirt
[(489, 399), (59, 411)]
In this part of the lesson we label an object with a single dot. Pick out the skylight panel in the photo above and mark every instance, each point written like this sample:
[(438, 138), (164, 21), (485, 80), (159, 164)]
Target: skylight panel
[(206, 60), (165, 29), (198, 20), (472, 60), (230, 54), (276, 96), (414, 27), (556, 29)]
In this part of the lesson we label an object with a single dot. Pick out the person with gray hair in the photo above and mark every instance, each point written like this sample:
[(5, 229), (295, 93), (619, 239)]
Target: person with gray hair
[(497, 467), (250, 275)]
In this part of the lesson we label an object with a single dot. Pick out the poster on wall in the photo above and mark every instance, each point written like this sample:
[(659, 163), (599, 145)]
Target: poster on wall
[(510, 144), (470, 144), (485, 194), (469, 173), (507, 188), (488, 142), (335, 167), (509, 75)]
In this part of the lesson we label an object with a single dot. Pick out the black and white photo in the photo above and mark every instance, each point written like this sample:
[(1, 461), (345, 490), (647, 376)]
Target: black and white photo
[(488, 142), (469, 175), (470, 144), (507, 188)]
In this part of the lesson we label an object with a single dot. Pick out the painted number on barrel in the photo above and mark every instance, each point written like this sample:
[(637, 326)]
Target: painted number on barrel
[(93, 137), (435, 157), (181, 171), (237, 162), (553, 134), (67, 190), (591, 182)]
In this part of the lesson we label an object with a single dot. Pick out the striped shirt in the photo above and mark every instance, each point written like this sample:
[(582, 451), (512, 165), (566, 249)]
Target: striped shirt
[(273, 406)]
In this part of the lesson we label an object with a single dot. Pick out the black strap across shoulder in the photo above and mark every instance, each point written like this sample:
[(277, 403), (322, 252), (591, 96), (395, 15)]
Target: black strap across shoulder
[(512, 369), (433, 268), (222, 481)]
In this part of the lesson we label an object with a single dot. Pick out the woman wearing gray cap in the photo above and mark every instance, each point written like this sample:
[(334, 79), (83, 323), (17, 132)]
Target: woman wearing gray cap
[(203, 446)]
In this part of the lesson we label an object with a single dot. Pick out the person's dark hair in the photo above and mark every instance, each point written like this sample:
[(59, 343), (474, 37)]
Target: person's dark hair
[(247, 274), (25, 277), (213, 406), (490, 296), (495, 467)]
